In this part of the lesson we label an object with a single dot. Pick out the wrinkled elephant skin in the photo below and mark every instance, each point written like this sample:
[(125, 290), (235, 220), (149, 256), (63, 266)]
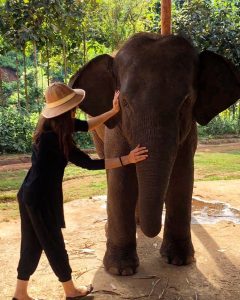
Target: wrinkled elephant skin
[(166, 86)]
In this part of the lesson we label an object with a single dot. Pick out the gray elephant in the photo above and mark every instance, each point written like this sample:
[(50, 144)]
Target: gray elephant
[(166, 86)]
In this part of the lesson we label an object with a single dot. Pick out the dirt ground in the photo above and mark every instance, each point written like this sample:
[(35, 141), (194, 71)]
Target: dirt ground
[(214, 276)]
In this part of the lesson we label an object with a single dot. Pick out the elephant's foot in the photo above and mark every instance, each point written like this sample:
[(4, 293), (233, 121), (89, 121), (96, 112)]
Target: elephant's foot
[(178, 252), (121, 261)]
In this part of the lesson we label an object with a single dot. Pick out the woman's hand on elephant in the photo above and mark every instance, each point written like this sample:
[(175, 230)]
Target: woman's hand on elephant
[(116, 107), (138, 154), (95, 122)]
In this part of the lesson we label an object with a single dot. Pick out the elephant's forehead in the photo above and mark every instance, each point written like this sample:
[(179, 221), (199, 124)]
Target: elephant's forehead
[(162, 86), (158, 72), (142, 49)]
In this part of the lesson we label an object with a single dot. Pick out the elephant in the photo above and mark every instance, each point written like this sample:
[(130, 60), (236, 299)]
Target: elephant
[(166, 87)]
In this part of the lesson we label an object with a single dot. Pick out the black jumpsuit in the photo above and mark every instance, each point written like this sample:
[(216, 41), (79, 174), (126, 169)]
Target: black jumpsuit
[(41, 205)]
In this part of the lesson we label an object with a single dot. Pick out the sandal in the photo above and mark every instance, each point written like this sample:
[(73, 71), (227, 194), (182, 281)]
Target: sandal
[(89, 290)]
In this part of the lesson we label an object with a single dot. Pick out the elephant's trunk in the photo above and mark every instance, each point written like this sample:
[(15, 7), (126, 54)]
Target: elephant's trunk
[(153, 178)]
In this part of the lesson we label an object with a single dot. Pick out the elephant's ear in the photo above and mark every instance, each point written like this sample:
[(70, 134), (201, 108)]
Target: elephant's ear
[(219, 86), (98, 80)]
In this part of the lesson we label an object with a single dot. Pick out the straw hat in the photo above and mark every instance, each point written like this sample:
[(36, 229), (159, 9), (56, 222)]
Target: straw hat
[(60, 98)]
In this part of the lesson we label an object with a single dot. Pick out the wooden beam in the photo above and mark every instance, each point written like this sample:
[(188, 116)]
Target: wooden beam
[(166, 23)]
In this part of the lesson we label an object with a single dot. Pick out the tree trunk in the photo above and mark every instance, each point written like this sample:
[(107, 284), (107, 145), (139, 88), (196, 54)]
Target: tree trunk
[(25, 78), (166, 26), (48, 65), (65, 61), (84, 48), (41, 69), (36, 74), (18, 85)]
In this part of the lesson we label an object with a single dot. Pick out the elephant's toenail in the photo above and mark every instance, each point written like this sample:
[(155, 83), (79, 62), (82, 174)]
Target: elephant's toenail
[(177, 261), (114, 271), (127, 272)]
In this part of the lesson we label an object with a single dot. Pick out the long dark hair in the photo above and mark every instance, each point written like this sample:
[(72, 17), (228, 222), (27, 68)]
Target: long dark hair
[(62, 125)]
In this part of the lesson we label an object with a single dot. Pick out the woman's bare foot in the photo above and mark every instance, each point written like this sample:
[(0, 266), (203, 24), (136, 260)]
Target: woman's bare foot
[(81, 291), (72, 291), (21, 290)]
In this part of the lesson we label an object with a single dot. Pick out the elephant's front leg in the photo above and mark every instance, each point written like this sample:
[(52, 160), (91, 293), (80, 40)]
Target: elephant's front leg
[(177, 244), (121, 256)]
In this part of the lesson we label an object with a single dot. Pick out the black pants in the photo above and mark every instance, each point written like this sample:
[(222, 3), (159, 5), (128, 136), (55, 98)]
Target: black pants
[(36, 236)]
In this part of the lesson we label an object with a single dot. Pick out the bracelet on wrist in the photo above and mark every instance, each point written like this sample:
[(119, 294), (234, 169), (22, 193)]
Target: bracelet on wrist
[(121, 161)]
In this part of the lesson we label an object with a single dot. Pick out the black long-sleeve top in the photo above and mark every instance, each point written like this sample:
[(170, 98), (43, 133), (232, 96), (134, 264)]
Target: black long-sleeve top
[(42, 187)]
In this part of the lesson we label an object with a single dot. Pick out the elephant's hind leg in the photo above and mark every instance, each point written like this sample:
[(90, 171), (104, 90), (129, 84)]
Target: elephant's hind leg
[(177, 244)]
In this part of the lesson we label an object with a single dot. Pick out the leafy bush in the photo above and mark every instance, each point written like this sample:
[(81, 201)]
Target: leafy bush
[(84, 140), (212, 25), (220, 126), (17, 127)]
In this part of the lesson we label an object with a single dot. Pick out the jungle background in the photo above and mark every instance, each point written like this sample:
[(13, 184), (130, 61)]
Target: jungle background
[(49, 40)]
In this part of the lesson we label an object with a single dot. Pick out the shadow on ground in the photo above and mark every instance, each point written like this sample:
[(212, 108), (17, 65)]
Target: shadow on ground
[(158, 280)]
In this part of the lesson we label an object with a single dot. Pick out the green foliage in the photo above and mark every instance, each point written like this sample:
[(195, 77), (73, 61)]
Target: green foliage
[(16, 129), (119, 19), (8, 60), (83, 140), (212, 25), (220, 126), (50, 40)]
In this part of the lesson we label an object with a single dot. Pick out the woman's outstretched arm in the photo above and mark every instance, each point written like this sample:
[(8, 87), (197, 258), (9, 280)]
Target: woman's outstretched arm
[(81, 159)]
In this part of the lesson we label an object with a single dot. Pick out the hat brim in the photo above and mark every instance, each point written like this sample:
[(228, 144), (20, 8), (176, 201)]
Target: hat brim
[(61, 109)]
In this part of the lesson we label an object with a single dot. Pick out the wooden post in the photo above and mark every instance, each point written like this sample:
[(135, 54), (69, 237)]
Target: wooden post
[(166, 24)]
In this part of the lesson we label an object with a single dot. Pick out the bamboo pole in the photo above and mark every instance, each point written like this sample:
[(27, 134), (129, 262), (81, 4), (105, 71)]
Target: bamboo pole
[(166, 24)]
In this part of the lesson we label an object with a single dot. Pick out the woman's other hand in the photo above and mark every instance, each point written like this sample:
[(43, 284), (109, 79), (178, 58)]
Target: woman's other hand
[(116, 107), (138, 154)]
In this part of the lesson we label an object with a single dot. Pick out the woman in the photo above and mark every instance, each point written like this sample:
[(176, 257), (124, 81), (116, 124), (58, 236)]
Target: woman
[(40, 196)]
